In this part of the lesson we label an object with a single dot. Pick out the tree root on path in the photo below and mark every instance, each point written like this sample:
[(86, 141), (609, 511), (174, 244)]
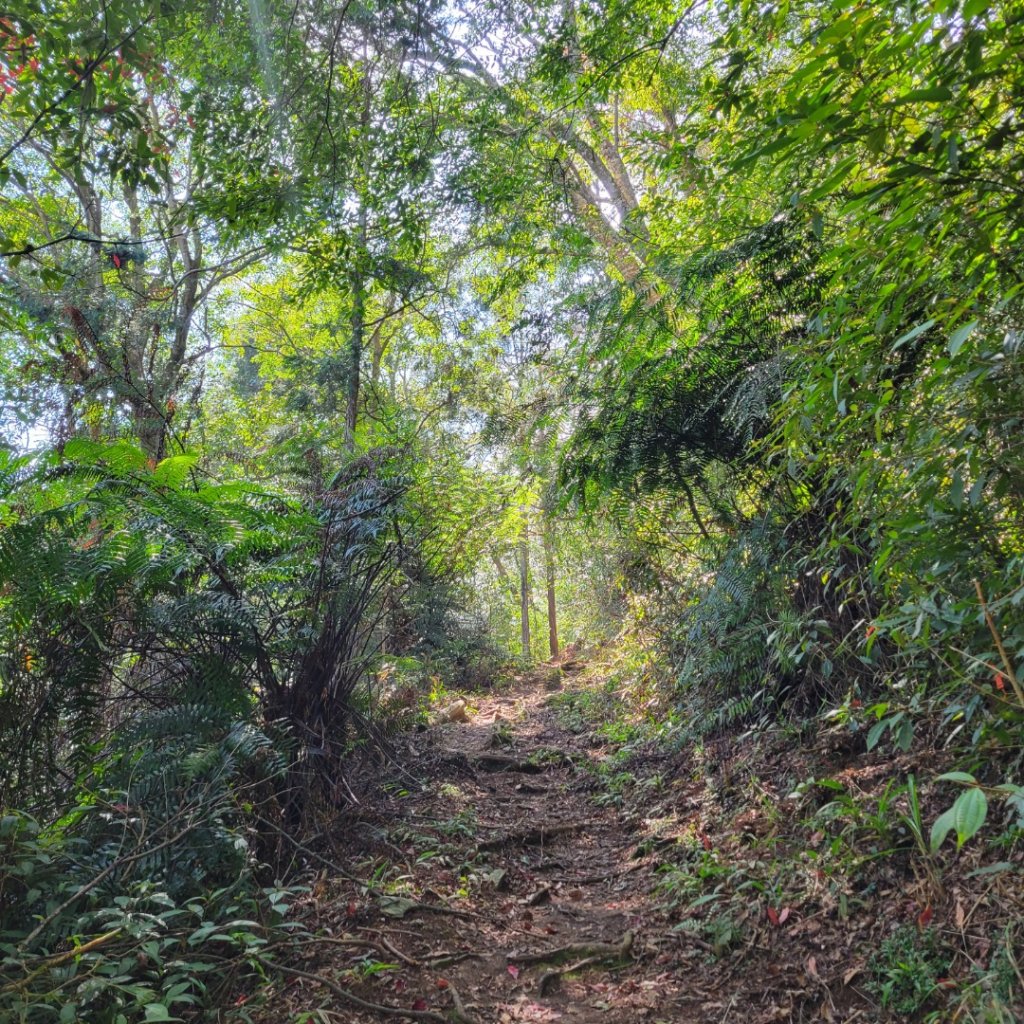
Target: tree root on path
[(594, 879), (457, 1015), (550, 977), (381, 944), (504, 763), (591, 951), (533, 836)]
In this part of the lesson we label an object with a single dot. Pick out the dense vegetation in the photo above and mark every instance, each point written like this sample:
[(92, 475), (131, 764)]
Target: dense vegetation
[(355, 354)]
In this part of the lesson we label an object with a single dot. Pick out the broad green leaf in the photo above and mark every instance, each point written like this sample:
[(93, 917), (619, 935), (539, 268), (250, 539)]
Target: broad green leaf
[(959, 336), (969, 813), (914, 333), (944, 824), (935, 94)]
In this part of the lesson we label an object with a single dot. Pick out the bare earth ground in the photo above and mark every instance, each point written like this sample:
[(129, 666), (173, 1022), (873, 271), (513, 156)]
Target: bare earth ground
[(505, 885)]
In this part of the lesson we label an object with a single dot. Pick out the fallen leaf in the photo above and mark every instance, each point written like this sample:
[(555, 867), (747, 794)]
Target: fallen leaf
[(812, 967), (773, 916), (420, 1004), (514, 971), (924, 917), (960, 916), (783, 915), (442, 983)]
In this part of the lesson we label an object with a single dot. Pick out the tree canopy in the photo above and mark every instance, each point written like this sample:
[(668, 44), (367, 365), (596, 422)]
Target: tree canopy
[(355, 354)]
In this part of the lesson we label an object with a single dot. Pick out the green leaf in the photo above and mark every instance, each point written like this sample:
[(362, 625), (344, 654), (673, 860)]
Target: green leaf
[(994, 869), (959, 336), (173, 471), (875, 734), (934, 94), (912, 334), (943, 826), (958, 777), (969, 814), (157, 1011)]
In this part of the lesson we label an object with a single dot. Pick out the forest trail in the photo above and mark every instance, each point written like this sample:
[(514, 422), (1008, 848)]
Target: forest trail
[(534, 874)]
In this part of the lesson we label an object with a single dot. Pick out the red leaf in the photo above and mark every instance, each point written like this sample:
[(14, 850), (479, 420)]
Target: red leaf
[(116, 259), (514, 971), (706, 841), (352, 909), (783, 915), (925, 916), (420, 1004), (1000, 681), (773, 915), (442, 983)]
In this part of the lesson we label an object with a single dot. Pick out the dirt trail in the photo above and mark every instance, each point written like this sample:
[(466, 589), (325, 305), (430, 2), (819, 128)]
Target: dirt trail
[(509, 858), (486, 847)]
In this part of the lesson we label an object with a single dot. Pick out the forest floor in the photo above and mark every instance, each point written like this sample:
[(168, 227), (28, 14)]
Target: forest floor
[(523, 867)]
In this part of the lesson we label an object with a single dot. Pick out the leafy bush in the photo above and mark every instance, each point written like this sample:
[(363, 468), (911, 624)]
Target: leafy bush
[(140, 901)]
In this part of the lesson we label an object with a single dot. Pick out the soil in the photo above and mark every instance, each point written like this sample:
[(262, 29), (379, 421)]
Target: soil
[(505, 882)]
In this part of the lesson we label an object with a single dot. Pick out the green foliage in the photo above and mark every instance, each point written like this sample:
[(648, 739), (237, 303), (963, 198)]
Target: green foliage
[(907, 968), (140, 901)]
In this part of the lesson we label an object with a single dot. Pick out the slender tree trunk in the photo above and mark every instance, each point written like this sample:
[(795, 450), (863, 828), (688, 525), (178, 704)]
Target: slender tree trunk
[(357, 284), (524, 585), (357, 279), (549, 573)]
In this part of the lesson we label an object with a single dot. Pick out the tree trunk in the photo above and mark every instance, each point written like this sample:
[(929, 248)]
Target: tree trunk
[(549, 572), (524, 585), (357, 283)]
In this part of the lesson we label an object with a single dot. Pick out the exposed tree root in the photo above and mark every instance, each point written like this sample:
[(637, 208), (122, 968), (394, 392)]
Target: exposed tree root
[(550, 977), (457, 1015), (504, 763), (595, 879), (533, 836), (594, 951)]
